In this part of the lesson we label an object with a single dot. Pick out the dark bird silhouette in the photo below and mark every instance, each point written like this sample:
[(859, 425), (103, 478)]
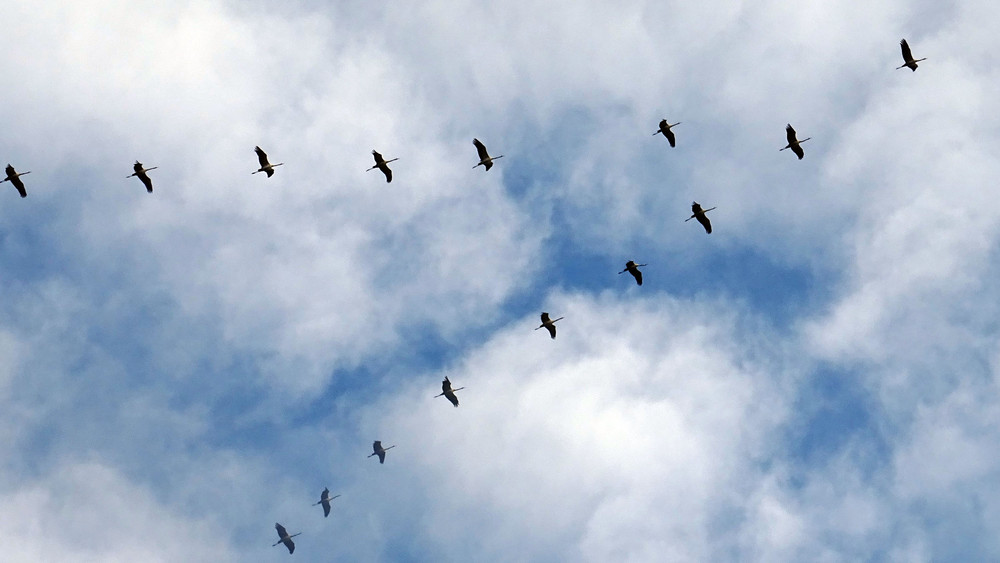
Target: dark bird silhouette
[(284, 538), (324, 499), (13, 178), (140, 173), (380, 451), (700, 215), (448, 392), (265, 166), (665, 129), (793, 143), (549, 324), (383, 165), (484, 157), (633, 268), (908, 57)]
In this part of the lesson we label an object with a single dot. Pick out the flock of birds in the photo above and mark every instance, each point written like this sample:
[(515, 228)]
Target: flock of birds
[(486, 161)]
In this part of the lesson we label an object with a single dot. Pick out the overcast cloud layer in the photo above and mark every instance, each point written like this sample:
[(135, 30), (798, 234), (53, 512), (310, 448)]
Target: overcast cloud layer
[(814, 381)]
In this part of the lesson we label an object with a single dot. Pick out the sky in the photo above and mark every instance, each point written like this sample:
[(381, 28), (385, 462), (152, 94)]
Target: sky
[(815, 380)]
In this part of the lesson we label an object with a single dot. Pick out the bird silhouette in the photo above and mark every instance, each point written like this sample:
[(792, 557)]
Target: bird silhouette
[(383, 165), (549, 324), (633, 268)]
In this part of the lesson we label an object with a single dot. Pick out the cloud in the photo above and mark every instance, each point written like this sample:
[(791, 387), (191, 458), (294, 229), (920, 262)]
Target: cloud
[(214, 354), (87, 511), (635, 430)]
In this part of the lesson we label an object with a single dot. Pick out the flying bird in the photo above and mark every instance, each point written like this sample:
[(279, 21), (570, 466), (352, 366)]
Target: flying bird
[(633, 268), (448, 392), (793, 143), (665, 129), (383, 165), (12, 177), (908, 57), (265, 166), (380, 451), (549, 324), (140, 173), (484, 157), (324, 499), (284, 538), (700, 215)]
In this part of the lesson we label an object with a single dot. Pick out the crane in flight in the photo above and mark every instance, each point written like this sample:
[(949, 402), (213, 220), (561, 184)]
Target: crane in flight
[(383, 165), (549, 324), (633, 268), (485, 159), (140, 173), (13, 178), (908, 60), (665, 129), (284, 538), (265, 166), (448, 392), (324, 499), (379, 451), (700, 215), (793, 143)]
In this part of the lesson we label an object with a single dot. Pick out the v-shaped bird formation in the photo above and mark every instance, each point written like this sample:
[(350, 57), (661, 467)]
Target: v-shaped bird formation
[(486, 161)]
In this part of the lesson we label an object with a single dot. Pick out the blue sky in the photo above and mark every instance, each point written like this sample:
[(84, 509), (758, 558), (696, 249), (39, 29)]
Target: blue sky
[(814, 381)]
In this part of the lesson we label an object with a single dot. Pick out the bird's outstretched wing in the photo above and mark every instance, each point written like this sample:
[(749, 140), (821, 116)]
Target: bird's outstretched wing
[(262, 158), (703, 219), (481, 149), (905, 47)]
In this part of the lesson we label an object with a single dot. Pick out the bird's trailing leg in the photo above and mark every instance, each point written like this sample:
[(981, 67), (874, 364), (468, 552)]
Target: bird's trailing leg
[(377, 165), (271, 167), (551, 322), (490, 160), (286, 538), (908, 64), (324, 500), (658, 131), (143, 171), (693, 216), (641, 265), (789, 145), (383, 449), (453, 390), (15, 175)]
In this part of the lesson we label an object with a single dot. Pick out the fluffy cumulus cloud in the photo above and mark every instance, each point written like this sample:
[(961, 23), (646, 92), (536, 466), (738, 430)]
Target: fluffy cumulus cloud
[(815, 380)]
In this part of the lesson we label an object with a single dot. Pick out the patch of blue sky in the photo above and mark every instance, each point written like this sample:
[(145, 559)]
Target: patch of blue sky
[(834, 413)]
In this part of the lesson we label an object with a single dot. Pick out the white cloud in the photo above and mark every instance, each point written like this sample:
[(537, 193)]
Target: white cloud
[(89, 512), (637, 428), (176, 341)]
